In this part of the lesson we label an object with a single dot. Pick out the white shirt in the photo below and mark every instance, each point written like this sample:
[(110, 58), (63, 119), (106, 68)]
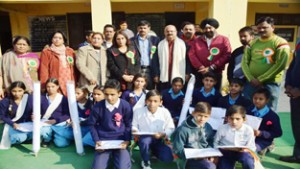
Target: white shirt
[(111, 107), (228, 136), (160, 121)]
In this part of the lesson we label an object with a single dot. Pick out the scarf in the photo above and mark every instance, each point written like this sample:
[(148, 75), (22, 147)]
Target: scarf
[(179, 60), (61, 51)]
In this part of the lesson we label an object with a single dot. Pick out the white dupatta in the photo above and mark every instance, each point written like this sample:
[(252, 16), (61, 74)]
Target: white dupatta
[(54, 104), (5, 141), (141, 102)]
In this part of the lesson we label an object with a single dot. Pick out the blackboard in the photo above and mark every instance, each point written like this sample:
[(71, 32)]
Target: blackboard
[(287, 33), (41, 27)]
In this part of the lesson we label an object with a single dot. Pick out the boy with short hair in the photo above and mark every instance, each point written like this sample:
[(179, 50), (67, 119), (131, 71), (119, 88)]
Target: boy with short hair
[(235, 96), (207, 93), (195, 132), (111, 119), (270, 127)]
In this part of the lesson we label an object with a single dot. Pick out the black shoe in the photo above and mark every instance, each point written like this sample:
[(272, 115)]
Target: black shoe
[(290, 159), (45, 144)]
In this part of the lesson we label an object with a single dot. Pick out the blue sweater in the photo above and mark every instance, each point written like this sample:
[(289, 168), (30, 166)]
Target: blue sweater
[(212, 99), (103, 125), (4, 110), (270, 128), (173, 105), (60, 114), (188, 135), (241, 101)]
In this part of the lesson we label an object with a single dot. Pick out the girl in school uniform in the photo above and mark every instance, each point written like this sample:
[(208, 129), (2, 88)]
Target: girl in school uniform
[(55, 114), (136, 97), (155, 119), (236, 134), (98, 96), (15, 110)]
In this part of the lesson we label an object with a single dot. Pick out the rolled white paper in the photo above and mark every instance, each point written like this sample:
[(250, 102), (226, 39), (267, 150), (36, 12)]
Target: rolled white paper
[(75, 117), (36, 117), (187, 99)]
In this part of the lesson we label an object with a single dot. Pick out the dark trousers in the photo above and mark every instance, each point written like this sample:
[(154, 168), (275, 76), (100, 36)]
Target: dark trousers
[(121, 159), (200, 164), (295, 118), (229, 158), (156, 146), (147, 72)]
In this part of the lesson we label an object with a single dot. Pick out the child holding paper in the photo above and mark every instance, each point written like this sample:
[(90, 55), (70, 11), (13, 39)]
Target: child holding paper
[(155, 119), (270, 127), (235, 134), (235, 96), (207, 93), (196, 133), (15, 110), (56, 116), (109, 120), (136, 97), (173, 98)]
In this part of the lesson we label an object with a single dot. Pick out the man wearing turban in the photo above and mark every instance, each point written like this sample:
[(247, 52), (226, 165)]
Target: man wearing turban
[(210, 52)]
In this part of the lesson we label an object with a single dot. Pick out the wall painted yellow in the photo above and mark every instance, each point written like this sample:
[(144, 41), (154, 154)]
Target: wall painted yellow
[(254, 8), (19, 12)]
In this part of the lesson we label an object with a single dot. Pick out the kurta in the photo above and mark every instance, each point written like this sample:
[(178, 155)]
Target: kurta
[(5, 106), (19, 68)]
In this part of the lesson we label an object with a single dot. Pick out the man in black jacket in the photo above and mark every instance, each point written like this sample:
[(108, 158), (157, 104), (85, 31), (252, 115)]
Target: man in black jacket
[(234, 69)]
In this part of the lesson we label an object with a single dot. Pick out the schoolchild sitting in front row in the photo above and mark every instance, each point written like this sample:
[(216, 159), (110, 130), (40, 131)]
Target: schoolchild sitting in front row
[(155, 119), (235, 133), (111, 119), (14, 110), (196, 133), (97, 96), (56, 116)]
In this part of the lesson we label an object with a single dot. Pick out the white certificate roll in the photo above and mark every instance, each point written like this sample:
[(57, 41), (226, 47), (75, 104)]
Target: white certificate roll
[(74, 117), (36, 139), (187, 99)]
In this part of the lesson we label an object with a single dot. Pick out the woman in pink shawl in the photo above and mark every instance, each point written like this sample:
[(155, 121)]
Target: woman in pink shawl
[(19, 65)]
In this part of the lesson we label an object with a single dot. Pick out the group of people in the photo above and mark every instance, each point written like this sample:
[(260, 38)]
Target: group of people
[(130, 85)]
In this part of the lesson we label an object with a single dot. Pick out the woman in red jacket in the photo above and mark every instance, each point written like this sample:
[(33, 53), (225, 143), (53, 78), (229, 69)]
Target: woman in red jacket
[(57, 61)]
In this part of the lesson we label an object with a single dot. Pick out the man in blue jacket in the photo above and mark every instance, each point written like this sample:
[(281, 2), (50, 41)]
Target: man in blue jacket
[(146, 45), (292, 89)]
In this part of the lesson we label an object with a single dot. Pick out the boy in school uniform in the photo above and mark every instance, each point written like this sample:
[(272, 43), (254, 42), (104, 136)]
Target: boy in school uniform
[(235, 96), (270, 127), (207, 93), (195, 132), (173, 98), (111, 119), (155, 119)]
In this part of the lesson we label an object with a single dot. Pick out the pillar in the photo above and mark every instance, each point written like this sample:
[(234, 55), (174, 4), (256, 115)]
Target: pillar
[(101, 14)]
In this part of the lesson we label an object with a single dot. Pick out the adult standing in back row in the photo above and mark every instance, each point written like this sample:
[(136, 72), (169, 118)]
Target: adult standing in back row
[(58, 61), (210, 52), (264, 61)]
